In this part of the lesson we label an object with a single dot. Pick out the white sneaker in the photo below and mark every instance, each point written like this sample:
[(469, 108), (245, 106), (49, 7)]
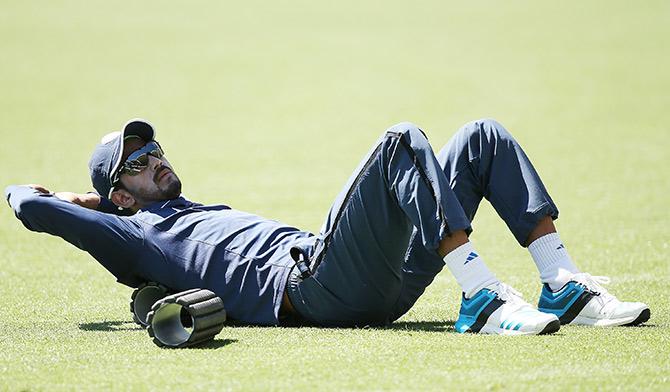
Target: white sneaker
[(583, 301), (501, 310)]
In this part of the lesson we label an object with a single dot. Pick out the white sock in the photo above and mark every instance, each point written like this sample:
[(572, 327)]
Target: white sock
[(469, 269), (552, 260)]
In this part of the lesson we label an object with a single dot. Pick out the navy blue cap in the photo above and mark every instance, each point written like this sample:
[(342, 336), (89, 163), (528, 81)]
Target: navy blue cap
[(107, 155)]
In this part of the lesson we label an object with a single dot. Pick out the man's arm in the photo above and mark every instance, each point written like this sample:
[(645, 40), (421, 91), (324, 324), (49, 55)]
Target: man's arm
[(86, 200), (113, 241), (90, 200)]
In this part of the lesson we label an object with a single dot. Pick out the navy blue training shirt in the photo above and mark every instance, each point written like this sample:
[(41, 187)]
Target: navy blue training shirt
[(241, 257)]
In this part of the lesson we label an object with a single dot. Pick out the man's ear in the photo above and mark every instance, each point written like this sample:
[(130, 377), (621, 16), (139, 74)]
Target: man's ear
[(122, 198)]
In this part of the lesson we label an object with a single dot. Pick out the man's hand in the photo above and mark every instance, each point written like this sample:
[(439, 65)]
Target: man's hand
[(39, 188), (87, 200)]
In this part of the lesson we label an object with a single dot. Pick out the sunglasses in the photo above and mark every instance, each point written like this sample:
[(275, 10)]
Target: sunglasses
[(139, 160)]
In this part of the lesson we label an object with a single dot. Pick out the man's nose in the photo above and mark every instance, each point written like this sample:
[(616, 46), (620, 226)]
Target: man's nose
[(155, 163)]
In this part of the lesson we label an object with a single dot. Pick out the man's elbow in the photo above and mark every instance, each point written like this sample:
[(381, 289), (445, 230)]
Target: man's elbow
[(29, 208)]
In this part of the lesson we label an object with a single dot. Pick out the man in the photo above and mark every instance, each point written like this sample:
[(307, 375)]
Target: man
[(402, 216)]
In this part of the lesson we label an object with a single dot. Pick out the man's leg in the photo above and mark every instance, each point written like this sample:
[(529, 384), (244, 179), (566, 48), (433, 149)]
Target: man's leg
[(357, 268), (484, 161), (357, 262), (573, 296), (510, 182)]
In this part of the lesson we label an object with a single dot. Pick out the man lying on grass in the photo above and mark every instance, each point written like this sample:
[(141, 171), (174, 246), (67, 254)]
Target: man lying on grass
[(402, 216)]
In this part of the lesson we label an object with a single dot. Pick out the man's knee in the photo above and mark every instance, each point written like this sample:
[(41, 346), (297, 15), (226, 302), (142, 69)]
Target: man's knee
[(406, 127), (485, 129), (410, 135)]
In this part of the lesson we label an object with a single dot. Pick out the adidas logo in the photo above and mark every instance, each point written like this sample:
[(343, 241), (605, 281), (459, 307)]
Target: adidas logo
[(560, 247), (471, 257)]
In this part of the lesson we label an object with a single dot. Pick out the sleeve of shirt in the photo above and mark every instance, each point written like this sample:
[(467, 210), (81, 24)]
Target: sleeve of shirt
[(113, 241)]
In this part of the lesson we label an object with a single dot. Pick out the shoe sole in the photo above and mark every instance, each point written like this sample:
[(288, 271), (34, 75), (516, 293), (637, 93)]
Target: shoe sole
[(550, 328), (624, 321), (644, 316)]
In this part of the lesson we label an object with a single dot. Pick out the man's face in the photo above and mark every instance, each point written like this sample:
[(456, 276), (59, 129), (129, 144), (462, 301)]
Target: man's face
[(156, 182)]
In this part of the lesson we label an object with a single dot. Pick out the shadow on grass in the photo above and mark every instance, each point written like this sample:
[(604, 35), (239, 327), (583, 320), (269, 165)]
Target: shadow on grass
[(122, 325), (448, 326), (213, 344), (208, 345), (425, 326), (111, 326), (642, 326), (437, 326)]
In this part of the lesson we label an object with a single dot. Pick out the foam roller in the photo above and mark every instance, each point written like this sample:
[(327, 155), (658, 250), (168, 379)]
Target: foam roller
[(186, 319), (143, 298)]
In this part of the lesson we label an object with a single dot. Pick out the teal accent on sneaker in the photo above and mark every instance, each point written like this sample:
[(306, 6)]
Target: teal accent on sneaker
[(565, 303), (476, 310), (509, 324)]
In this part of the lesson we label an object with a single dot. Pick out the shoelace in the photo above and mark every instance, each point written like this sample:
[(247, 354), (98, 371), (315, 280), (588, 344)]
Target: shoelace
[(592, 283), (508, 294), (606, 300)]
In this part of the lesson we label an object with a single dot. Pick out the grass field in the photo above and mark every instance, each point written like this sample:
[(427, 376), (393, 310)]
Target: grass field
[(268, 106)]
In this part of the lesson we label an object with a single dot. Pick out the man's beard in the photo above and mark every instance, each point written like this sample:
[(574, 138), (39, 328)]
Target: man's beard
[(171, 191)]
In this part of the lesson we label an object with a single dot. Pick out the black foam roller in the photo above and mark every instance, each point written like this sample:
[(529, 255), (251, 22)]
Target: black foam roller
[(143, 298), (187, 318)]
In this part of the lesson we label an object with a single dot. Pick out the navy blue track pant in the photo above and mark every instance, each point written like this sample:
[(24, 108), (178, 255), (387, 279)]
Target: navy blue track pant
[(377, 251)]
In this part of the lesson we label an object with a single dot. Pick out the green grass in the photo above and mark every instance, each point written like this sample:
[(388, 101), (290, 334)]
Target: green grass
[(269, 106)]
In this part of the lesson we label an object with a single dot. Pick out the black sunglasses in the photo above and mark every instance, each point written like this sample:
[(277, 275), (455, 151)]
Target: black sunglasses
[(139, 160)]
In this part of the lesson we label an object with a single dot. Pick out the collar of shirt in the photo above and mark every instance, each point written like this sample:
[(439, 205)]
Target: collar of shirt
[(179, 202)]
